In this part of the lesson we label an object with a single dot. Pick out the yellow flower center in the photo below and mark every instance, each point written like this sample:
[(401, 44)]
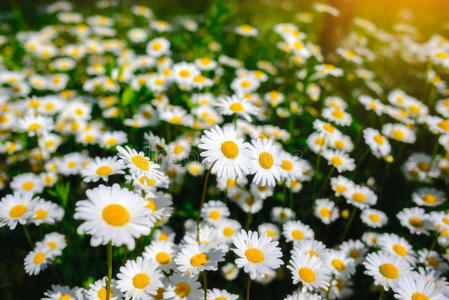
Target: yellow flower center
[(354, 253), (230, 149), (254, 255), (338, 264), (104, 171), (400, 250), (159, 81), (329, 128), (199, 260), (157, 46), (52, 245), (214, 215), (228, 231), (115, 215), (320, 141), (337, 113), (339, 144), (325, 212), (416, 222), (358, 197), (297, 235), (111, 141), (184, 73), (178, 149), (245, 84), (102, 293), (287, 165), (433, 262), (17, 211), (141, 162), (150, 204), (419, 296), (28, 185), (182, 289), (379, 139), (429, 199), (236, 107), (398, 134), (374, 218), (163, 258), (65, 297), (337, 161), (141, 280), (39, 258), (266, 160), (389, 270), (34, 126), (307, 275), (340, 189), (40, 214)]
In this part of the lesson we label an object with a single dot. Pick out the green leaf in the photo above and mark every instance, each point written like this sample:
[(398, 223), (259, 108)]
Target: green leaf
[(128, 96)]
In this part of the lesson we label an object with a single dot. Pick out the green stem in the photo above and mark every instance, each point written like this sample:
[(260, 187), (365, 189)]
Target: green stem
[(351, 218), (203, 196), (27, 234), (329, 174), (205, 284), (108, 282), (381, 296), (248, 287), (249, 220)]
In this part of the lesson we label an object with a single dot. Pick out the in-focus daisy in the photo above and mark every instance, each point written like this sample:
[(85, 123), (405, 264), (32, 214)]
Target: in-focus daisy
[(398, 246), (378, 144), (310, 271), (113, 214), (37, 260), (226, 151), (386, 268), (27, 183), (138, 279), (416, 287), (195, 258), (102, 168), (354, 249), (264, 162), (428, 196), (256, 255), (340, 264), (341, 184), (340, 160)]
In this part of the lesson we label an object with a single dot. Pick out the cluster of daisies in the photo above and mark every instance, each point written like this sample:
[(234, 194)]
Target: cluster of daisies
[(192, 157)]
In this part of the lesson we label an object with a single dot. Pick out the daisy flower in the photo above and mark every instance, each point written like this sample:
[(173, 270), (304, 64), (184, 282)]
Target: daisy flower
[(36, 124), (16, 209), (55, 243), (310, 271), (342, 266), (113, 214), (183, 288), (282, 214), (295, 231), (256, 255), (374, 218), (139, 165), (163, 253), (386, 268), (214, 212), (37, 260), (58, 292), (160, 205), (46, 212), (310, 246), (236, 105), (226, 229), (97, 290), (138, 279), (360, 196), (230, 271), (340, 160), (245, 84), (264, 162), (216, 294), (341, 184), (433, 259), (246, 30), (398, 246), (226, 151), (270, 230), (195, 258), (415, 220), (27, 183), (413, 286), (354, 249), (102, 168), (399, 132), (378, 144), (336, 115), (326, 210), (428, 196)]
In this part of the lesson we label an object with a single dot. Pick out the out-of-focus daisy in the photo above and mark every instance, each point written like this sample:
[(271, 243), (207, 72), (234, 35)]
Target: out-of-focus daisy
[(237, 105), (340, 160), (414, 219), (216, 294), (378, 144), (16, 209), (374, 218), (46, 212), (58, 291), (183, 287), (163, 253), (36, 124), (398, 246), (326, 210), (113, 214), (428, 196), (295, 231), (340, 264), (341, 184), (360, 196), (256, 255), (399, 132), (413, 286), (337, 116), (55, 243), (27, 183), (97, 290), (102, 168), (246, 30)]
